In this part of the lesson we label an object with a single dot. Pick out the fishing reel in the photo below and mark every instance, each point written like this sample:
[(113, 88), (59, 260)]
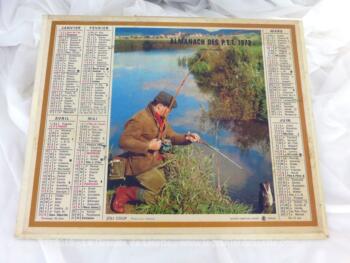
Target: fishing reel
[(166, 146)]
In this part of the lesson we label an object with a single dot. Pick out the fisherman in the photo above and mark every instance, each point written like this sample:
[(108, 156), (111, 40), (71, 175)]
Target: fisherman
[(142, 140)]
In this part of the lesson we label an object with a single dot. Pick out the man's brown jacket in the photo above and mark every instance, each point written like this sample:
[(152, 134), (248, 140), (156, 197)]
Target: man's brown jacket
[(138, 132)]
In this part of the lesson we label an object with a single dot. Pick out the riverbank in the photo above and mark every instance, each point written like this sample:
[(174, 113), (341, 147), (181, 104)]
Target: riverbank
[(130, 45)]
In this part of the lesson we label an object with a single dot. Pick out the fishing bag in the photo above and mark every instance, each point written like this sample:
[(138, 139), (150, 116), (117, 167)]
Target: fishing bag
[(116, 168)]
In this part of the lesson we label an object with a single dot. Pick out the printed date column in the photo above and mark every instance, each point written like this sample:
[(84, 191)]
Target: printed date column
[(56, 169), (90, 165), (66, 75), (58, 147), (94, 100), (288, 161), (89, 168)]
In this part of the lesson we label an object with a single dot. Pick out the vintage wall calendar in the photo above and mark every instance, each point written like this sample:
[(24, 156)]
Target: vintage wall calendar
[(171, 128)]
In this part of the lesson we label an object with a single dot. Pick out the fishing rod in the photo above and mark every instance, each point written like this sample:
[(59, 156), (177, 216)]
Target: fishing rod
[(178, 89), (182, 84)]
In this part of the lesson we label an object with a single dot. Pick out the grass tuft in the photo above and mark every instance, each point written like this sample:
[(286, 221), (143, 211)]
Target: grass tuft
[(191, 187)]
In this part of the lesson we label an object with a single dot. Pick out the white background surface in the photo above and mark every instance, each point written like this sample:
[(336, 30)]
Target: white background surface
[(327, 36)]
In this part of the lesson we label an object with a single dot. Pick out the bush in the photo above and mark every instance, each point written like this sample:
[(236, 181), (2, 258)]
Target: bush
[(235, 77), (190, 187)]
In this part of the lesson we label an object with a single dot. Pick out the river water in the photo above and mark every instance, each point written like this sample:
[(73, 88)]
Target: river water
[(138, 76)]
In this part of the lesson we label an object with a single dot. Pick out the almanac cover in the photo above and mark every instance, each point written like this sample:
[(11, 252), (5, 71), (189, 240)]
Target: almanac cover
[(171, 128)]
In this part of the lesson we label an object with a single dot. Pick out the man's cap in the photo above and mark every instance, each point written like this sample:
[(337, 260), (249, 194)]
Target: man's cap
[(165, 99)]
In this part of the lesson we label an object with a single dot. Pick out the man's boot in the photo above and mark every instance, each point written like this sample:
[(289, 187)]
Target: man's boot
[(122, 196), (132, 192)]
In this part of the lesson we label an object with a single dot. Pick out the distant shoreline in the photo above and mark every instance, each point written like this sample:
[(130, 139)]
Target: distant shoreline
[(136, 44)]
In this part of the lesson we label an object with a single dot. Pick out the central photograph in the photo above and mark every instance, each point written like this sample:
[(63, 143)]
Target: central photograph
[(189, 123)]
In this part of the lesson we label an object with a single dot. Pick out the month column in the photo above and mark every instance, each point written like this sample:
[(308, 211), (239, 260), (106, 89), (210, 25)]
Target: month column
[(60, 126), (91, 153)]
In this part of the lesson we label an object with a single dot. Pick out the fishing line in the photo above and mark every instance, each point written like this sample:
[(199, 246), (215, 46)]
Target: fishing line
[(178, 89)]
